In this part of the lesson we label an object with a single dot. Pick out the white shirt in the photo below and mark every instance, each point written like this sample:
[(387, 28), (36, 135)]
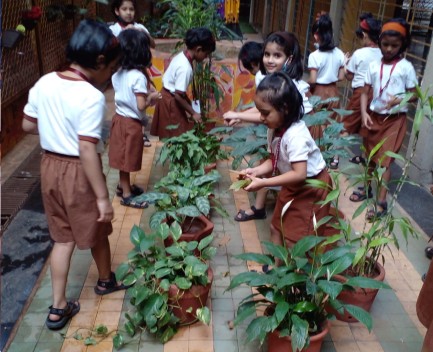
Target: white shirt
[(359, 62), (127, 85), (297, 145), (178, 75), (327, 64), (116, 28), (66, 109), (403, 78)]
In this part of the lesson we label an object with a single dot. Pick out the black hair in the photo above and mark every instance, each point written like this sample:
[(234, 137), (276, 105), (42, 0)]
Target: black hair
[(115, 5), (200, 36), (250, 53), (323, 28), (290, 45), (374, 27), (405, 39), (135, 48), (90, 40), (280, 92)]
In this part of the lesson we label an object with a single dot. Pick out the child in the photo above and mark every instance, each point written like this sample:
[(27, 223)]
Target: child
[(124, 12), (250, 56), (326, 66), (424, 309), (355, 71), (389, 79), (133, 94), (175, 107), (281, 53), (295, 156), (74, 192)]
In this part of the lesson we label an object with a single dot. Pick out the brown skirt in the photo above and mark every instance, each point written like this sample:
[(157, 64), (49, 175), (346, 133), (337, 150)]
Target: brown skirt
[(70, 203), (389, 127), (169, 112), (424, 306), (298, 220), (352, 122), (126, 144), (325, 91)]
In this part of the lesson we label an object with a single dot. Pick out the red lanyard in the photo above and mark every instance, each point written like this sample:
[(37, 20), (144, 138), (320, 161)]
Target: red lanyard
[(78, 73), (188, 56), (389, 78), (275, 155)]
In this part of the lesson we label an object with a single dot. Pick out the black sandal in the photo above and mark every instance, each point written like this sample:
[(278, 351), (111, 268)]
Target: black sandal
[(109, 286), (373, 213), (428, 252), (360, 194), (257, 214), (65, 315), (357, 159), (133, 202), (335, 161), (146, 141), (135, 190)]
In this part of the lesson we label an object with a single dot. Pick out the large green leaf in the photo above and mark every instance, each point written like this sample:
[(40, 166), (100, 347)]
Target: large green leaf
[(365, 282), (245, 311), (190, 210), (291, 279), (305, 244), (332, 288), (122, 270), (338, 266), (361, 315), (281, 310), (276, 251), (299, 333), (203, 314), (205, 242), (256, 257), (136, 235), (259, 328), (182, 283), (334, 254), (175, 231), (242, 278), (203, 205)]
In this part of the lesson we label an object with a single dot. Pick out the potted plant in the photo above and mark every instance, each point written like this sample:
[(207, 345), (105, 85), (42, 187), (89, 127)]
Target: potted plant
[(169, 284), (11, 37), (185, 196), (295, 293)]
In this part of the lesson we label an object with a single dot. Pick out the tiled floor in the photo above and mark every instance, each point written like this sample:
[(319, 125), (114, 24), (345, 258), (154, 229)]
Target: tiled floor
[(396, 327)]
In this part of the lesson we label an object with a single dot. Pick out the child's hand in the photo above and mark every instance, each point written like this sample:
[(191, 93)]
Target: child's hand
[(106, 212), (346, 58), (366, 121), (197, 117), (392, 101), (255, 185), (231, 118), (153, 97)]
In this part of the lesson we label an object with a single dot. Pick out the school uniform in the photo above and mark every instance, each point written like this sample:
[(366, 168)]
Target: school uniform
[(424, 308), (297, 145), (117, 27), (389, 124), (168, 111), (327, 64), (69, 200), (126, 135), (358, 66)]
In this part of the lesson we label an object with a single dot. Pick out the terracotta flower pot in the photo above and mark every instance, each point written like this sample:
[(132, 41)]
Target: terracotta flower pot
[(210, 167), (280, 344), (360, 297), (194, 230), (184, 303)]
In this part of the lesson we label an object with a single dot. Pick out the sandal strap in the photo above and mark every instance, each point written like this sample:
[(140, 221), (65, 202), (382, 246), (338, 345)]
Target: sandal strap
[(108, 284), (61, 312), (258, 212)]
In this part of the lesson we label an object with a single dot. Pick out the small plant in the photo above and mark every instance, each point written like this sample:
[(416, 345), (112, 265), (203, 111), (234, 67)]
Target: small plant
[(152, 269)]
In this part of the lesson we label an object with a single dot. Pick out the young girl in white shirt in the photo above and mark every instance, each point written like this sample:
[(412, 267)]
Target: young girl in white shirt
[(295, 158), (356, 68), (389, 80), (326, 66), (133, 93)]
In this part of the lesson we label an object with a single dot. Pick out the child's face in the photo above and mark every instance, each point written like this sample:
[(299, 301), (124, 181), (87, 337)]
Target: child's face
[(390, 47), (200, 55), (274, 58), (126, 11), (104, 72), (271, 117), (254, 69)]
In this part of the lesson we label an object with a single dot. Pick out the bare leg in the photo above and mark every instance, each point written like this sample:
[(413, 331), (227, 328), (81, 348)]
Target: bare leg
[(125, 183), (382, 192), (260, 200), (60, 262), (101, 253), (276, 238)]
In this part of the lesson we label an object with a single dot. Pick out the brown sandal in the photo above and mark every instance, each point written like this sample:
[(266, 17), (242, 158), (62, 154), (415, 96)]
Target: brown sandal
[(257, 214)]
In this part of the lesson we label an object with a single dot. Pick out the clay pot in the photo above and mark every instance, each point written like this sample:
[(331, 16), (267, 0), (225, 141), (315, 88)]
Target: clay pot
[(210, 167), (184, 303), (193, 229), (279, 344), (360, 297)]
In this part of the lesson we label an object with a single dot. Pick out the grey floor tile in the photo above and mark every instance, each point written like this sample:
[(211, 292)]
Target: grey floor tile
[(28, 333), (222, 305), (221, 330), (22, 346), (225, 346)]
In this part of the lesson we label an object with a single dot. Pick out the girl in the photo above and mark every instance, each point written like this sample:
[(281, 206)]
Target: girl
[(124, 12), (281, 53), (295, 156), (388, 79), (133, 94), (326, 66), (424, 309), (74, 192), (175, 107), (355, 71)]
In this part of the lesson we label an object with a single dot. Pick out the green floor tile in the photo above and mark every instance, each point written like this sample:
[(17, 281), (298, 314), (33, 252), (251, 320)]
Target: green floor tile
[(34, 319), (28, 333), (39, 305), (22, 346), (48, 346)]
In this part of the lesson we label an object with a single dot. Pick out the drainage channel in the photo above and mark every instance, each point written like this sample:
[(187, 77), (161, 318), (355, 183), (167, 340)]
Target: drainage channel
[(19, 186)]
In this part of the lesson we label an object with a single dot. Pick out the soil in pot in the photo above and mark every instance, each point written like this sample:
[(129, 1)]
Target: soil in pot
[(279, 344), (360, 297), (194, 229), (184, 303)]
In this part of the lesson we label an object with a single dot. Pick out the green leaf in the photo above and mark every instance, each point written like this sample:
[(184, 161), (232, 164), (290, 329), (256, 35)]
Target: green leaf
[(175, 251), (277, 251), (259, 328), (130, 328), (122, 270), (205, 242), (203, 205), (281, 309), (203, 314), (129, 279), (256, 257), (360, 253), (162, 272), (190, 210), (142, 294), (291, 279), (136, 235), (379, 242), (175, 231), (365, 282), (242, 278), (164, 284), (338, 266), (182, 283), (361, 315), (299, 333), (305, 244), (334, 254), (245, 311), (118, 340), (90, 341), (304, 307), (332, 288)]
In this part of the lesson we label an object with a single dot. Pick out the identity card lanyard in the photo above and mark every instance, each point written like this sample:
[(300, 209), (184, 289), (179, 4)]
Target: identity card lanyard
[(389, 78), (276, 154), (78, 73)]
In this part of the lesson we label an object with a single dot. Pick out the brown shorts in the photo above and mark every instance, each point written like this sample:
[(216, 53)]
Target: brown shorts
[(126, 144), (298, 220), (352, 122), (390, 127), (70, 203)]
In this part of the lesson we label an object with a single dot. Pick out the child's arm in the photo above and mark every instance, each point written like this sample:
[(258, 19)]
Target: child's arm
[(184, 102), (263, 169), (29, 125), (366, 119), (341, 73), (297, 175), (145, 100), (93, 170), (233, 117), (312, 80), (394, 100)]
